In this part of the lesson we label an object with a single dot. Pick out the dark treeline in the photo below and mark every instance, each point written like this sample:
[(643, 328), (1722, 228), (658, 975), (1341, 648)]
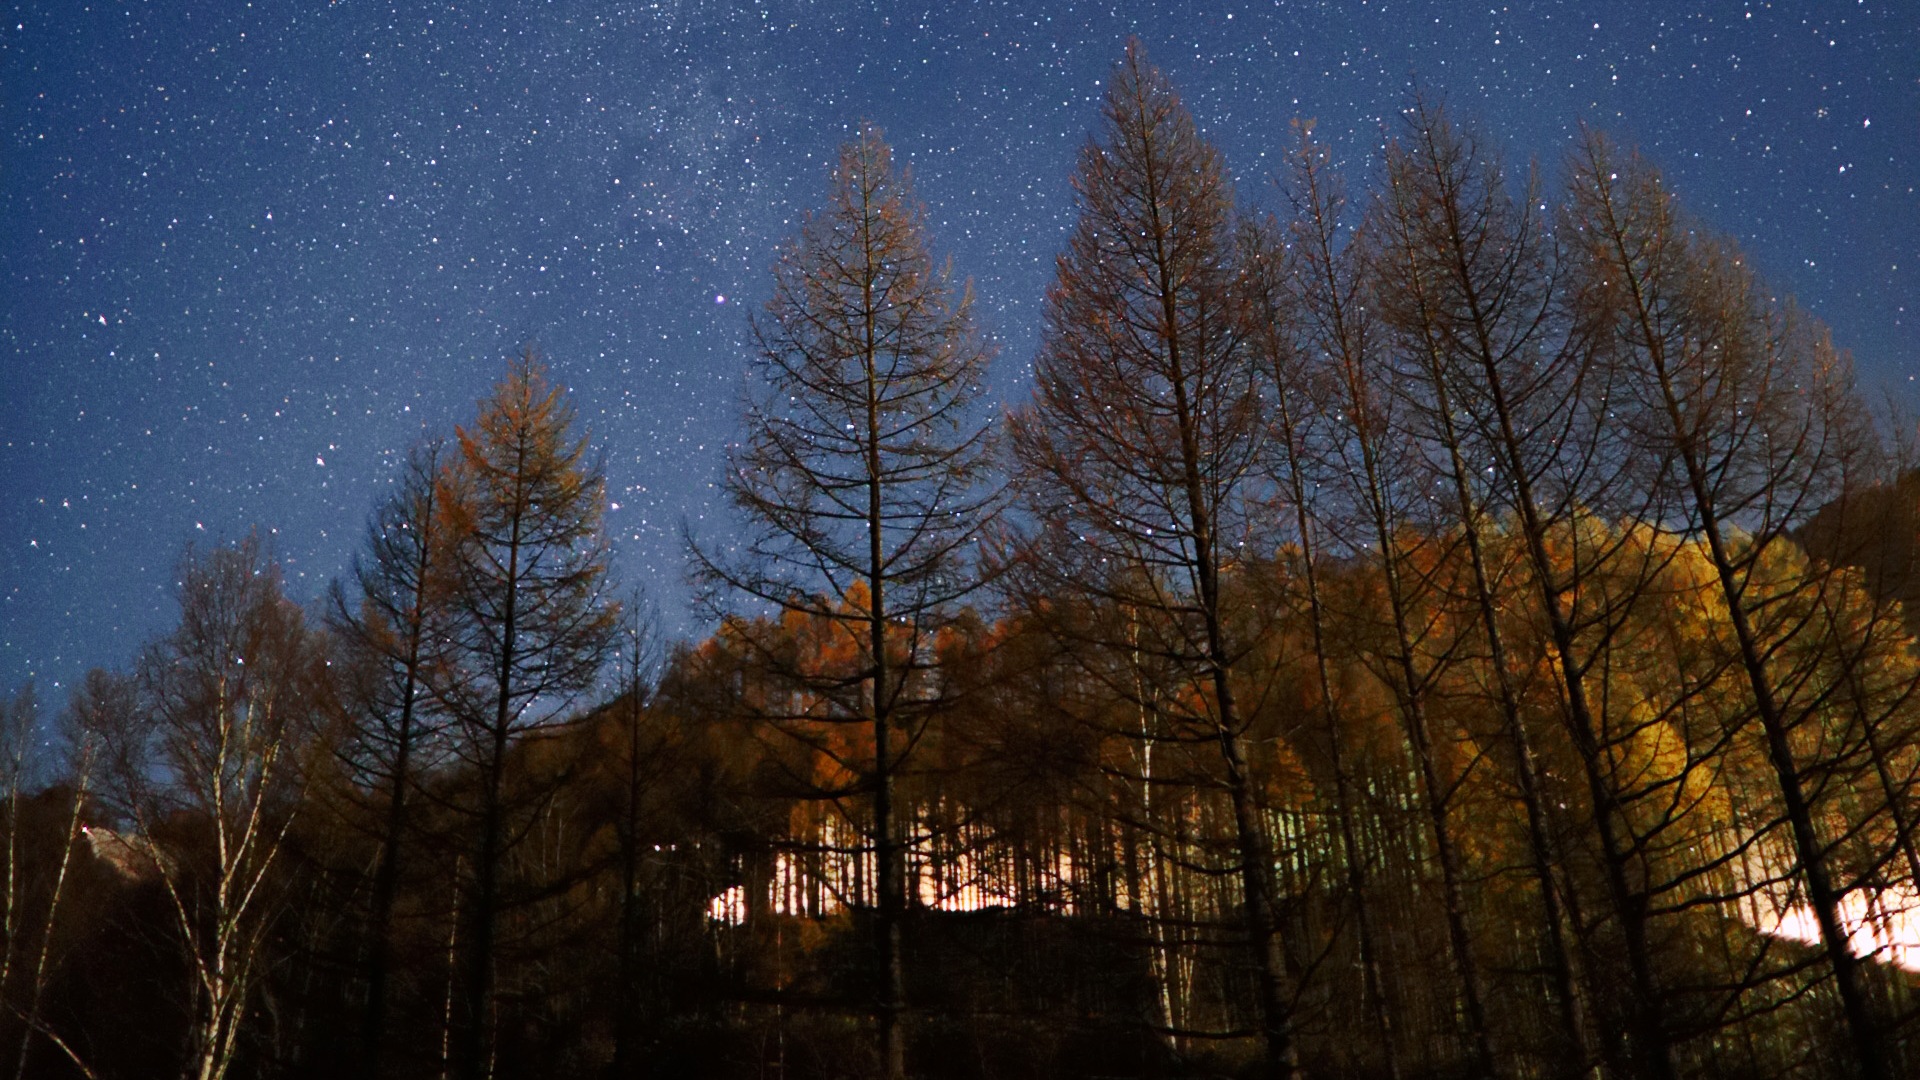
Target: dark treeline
[(1454, 626)]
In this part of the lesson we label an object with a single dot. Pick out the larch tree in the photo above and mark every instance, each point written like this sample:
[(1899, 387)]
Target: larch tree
[(527, 627), (1288, 302), (1754, 415), (1377, 508), (385, 629), (1466, 282), (1139, 455), (642, 655), (19, 723), (865, 476)]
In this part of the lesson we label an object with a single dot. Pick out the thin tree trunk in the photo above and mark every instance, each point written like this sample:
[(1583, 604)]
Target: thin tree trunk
[(386, 882), (1354, 860), (627, 998), (37, 988), (474, 1049), (1580, 1057), (1412, 691), (1438, 186), (887, 854), (1823, 896), (1579, 1053)]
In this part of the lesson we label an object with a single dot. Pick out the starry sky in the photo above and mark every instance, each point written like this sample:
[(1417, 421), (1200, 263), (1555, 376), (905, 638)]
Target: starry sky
[(250, 252)]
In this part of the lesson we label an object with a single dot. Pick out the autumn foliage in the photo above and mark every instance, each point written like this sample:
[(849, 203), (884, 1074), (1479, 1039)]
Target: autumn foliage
[(1454, 621)]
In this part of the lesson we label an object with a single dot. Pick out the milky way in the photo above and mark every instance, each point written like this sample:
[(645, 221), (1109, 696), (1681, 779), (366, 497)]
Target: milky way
[(250, 252)]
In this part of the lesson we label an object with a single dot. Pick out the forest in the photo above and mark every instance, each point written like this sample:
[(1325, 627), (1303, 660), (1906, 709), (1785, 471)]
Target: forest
[(1455, 622)]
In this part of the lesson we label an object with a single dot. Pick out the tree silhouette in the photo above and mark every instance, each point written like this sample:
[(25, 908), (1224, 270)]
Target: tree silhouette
[(385, 634), (1753, 413), (209, 771), (1139, 453), (526, 629), (865, 479)]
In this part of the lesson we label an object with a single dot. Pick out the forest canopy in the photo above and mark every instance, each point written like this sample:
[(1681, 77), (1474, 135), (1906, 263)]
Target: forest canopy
[(1452, 619)]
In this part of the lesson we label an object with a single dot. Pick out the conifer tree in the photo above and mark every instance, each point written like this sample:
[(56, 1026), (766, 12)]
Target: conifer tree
[(1292, 301), (527, 627), (865, 479), (1753, 421), (1379, 504), (385, 632), (1466, 285), (1139, 454)]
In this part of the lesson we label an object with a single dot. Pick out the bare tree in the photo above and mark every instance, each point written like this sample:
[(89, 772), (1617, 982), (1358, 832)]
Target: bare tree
[(1279, 317), (1754, 414), (101, 702), (386, 634), (19, 735), (865, 477), (208, 771), (1139, 453), (1378, 512), (1468, 281), (642, 654)]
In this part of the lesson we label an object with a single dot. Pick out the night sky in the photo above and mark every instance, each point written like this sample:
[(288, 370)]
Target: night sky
[(250, 252)]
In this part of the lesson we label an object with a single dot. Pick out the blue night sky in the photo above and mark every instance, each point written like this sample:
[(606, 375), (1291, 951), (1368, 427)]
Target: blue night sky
[(250, 252)]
